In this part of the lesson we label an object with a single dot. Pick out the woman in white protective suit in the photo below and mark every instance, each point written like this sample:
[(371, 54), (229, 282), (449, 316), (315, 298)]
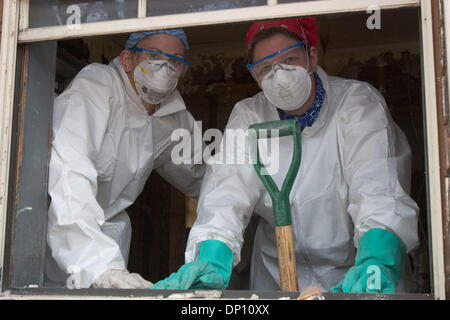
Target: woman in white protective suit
[(351, 212), (111, 128)]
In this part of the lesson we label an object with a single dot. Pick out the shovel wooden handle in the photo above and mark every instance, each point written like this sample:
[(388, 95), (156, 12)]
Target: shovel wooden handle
[(286, 259), (280, 198)]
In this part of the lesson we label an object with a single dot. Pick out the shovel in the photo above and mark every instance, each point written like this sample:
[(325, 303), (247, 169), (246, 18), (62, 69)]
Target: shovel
[(280, 199)]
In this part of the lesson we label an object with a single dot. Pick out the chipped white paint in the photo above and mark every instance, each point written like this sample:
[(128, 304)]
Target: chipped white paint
[(433, 152), (24, 14)]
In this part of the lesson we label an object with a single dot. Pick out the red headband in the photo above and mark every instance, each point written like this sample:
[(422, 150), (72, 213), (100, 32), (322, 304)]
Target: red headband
[(303, 27)]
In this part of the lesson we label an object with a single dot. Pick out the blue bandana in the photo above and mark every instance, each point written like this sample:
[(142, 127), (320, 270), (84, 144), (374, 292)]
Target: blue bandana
[(308, 118)]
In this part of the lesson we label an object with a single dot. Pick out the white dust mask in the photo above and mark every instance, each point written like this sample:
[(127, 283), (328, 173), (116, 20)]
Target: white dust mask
[(287, 86), (155, 80)]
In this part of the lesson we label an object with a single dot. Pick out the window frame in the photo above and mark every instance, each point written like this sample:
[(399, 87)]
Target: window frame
[(15, 31)]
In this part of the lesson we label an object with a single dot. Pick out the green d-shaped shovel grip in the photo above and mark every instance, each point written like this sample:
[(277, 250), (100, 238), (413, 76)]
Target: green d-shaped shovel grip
[(280, 199)]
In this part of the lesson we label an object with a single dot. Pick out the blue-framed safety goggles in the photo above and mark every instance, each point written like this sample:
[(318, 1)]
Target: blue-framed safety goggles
[(270, 56), (172, 59)]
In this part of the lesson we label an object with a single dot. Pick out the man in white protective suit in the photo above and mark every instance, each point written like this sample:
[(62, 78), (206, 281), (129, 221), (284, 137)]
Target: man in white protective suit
[(352, 217), (111, 127)]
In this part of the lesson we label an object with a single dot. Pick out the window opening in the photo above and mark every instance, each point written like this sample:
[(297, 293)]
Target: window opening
[(388, 58)]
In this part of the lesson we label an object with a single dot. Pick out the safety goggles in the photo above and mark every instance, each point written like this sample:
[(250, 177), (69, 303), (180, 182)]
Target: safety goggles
[(180, 64), (292, 55)]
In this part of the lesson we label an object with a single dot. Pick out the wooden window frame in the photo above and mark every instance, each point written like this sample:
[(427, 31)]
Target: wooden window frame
[(15, 31)]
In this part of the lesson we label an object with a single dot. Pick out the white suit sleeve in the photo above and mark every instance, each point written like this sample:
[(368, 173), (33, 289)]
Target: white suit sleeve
[(228, 195), (376, 161), (79, 124), (187, 176)]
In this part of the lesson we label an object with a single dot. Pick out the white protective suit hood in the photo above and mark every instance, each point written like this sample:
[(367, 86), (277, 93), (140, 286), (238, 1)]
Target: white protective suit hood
[(354, 176)]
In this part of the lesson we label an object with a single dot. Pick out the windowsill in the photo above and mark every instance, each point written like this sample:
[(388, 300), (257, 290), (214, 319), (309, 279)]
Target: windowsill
[(57, 293)]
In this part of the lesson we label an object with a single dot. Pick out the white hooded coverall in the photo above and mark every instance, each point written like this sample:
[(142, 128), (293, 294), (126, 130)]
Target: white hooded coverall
[(105, 145), (354, 176)]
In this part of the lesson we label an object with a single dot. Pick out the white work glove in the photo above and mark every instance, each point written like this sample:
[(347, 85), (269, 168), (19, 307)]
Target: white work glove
[(121, 279)]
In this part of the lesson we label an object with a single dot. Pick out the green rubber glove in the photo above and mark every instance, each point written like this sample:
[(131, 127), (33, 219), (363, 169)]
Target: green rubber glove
[(212, 270), (379, 264)]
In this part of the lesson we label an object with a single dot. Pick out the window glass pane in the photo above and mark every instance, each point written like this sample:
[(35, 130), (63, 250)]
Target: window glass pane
[(45, 13), (162, 7)]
